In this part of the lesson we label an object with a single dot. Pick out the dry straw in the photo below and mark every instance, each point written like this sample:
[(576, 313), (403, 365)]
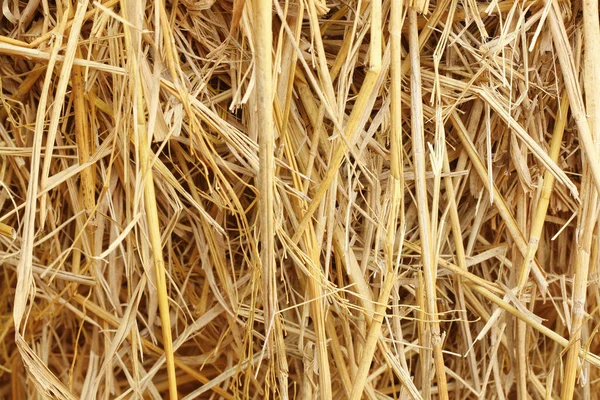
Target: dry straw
[(299, 199)]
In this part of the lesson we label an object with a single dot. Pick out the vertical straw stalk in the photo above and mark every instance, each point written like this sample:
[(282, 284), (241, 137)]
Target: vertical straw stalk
[(142, 137), (266, 138), (262, 23), (432, 338), (82, 130), (589, 210), (565, 58), (155, 239), (541, 208), (395, 184)]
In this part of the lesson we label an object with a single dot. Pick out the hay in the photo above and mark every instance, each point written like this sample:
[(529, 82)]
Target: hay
[(363, 199)]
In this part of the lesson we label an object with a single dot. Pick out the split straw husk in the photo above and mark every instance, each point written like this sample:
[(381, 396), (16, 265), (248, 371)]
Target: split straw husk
[(299, 199)]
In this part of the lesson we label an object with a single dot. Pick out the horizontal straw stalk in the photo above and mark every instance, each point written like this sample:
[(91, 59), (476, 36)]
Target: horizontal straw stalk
[(299, 199)]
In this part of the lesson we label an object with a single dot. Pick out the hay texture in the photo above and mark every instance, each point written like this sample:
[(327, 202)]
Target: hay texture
[(299, 199)]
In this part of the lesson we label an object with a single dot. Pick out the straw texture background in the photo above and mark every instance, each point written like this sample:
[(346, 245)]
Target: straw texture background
[(299, 199)]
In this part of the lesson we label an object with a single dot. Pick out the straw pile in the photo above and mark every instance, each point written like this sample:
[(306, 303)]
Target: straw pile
[(299, 199)]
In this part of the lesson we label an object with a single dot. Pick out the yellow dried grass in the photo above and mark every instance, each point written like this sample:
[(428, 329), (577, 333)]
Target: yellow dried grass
[(365, 199)]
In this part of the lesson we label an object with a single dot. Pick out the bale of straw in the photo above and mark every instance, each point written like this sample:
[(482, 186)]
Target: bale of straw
[(299, 199)]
